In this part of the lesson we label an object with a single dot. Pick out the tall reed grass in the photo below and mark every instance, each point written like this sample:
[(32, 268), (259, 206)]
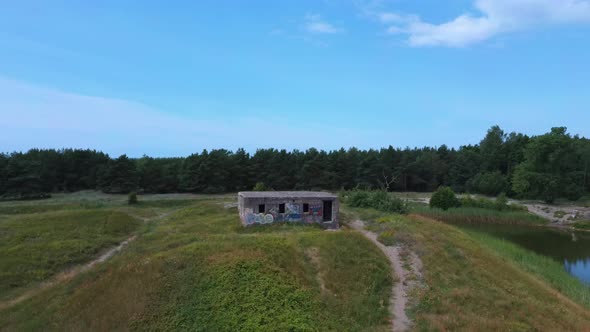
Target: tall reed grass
[(480, 216)]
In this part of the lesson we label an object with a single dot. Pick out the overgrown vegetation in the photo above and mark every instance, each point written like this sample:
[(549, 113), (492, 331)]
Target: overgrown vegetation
[(477, 215), (34, 247), (378, 199), (541, 167), (583, 225), (198, 269), (132, 198), (499, 204), (546, 268), (259, 186), (468, 284), (445, 206)]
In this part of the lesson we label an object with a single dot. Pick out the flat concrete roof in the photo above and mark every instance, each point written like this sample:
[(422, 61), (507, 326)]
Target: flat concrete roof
[(286, 194)]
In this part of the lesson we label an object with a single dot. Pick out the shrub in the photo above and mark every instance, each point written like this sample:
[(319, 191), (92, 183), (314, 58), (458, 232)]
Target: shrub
[(482, 203), (260, 186), (499, 204), (379, 200), (444, 198), (132, 198), (359, 198)]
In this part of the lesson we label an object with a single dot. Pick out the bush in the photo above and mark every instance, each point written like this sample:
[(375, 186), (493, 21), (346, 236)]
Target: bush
[(379, 200), (499, 204), (444, 198), (481, 203), (359, 198), (132, 198), (260, 186)]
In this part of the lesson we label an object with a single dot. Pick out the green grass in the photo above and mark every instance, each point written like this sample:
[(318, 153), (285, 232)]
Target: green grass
[(200, 270), (546, 268), (479, 215), (6, 208), (583, 225), (34, 247), (470, 285), (584, 201), (13, 209)]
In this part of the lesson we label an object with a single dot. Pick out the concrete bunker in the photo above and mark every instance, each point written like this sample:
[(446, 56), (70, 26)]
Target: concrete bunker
[(267, 207)]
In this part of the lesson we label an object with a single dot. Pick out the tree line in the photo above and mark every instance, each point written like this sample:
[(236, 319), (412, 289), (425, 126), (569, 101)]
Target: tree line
[(547, 167)]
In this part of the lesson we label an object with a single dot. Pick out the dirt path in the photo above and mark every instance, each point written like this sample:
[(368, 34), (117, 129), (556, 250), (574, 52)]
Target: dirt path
[(399, 292), (69, 274), (66, 275)]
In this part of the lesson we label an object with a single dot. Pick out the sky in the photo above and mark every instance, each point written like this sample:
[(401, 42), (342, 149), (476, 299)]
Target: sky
[(174, 78)]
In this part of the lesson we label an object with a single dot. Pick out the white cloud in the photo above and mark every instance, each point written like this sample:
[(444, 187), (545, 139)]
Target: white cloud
[(315, 24), (495, 17), (393, 18), (393, 30)]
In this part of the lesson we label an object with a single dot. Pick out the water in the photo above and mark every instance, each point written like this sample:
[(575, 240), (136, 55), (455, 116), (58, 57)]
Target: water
[(572, 249)]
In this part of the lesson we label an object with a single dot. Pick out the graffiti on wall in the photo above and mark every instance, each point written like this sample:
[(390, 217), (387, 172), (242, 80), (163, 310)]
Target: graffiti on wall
[(292, 212), (315, 209), (273, 212), (252, 218)]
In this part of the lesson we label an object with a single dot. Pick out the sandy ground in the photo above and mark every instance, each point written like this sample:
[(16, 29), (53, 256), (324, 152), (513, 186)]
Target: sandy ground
[(560, 214), (403, 284)]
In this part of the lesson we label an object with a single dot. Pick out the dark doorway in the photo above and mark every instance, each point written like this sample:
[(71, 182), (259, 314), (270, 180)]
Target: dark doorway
[(282, 208), (261, 208), (327, 211), (305, 207)]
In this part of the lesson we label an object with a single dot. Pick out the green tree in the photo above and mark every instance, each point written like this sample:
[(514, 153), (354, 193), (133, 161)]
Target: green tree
[(493, 151), (119, 176), (132, 198), (260, 186), (488, 183), (550, 169)]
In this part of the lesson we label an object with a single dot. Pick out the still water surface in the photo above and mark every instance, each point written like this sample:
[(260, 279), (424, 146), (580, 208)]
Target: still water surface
[(572, 249)]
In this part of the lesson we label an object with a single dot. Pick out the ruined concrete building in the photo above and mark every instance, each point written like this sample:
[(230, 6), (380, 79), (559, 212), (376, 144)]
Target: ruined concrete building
[(266, 207)]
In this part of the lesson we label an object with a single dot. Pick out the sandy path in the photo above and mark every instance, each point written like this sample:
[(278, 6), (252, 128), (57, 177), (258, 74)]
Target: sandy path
[(69, 274), (66, 275), (399, 296)]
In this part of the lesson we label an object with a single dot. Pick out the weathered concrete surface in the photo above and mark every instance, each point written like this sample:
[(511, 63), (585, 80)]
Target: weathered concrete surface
[(289, 206)]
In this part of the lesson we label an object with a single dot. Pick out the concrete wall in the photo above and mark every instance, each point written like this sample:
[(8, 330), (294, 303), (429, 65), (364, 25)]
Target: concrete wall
[(248, 208)]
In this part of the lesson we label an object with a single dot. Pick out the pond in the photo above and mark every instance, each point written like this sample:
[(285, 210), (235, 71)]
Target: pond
[(572, 249)]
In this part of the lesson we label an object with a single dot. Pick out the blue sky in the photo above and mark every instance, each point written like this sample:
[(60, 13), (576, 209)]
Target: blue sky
[(169, 79)]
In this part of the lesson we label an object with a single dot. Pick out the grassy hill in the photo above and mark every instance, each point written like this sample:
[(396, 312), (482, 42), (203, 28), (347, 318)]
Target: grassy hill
[(193, 267), (198, 269)]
